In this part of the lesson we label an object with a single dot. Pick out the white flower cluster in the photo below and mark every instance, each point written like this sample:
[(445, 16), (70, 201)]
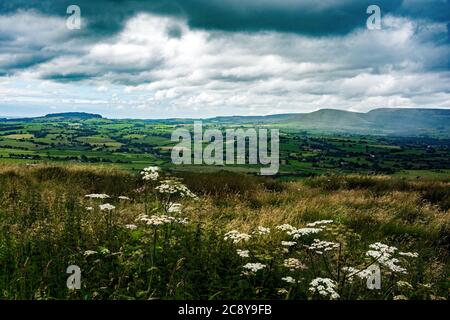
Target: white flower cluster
[(261, 231), (297, 233), (237, 236), (324, 287), (174, 207), (384, 254), (159, 220), (319, 223), (243, 253), (352, 272), (88, 253), (150, 174), (106, 207), (289, 279), (97, 196), (286, 227), (130, 226), (175, 187), (409, 254), (124, 198), (320, 247), (253, 268), (293, 264), (288, 243)]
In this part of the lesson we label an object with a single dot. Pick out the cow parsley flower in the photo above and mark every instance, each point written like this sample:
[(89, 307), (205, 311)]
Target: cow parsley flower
[(174, 207), (297, 233), (97, 196), (172, 187), (288, 243), (124, 198), (352, 272), (237, 236), (90, 208), (293, 264), (286, 227), (409, 254), (243, 253), (384, 254), (261, 231), (289, 279), (319, 223), (324, 287), (320, 247), (106, 207), (254, 267), (150, 174), (130, 226)]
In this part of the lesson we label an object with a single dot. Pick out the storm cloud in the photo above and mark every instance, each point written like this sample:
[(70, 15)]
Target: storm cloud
[(205, 58)]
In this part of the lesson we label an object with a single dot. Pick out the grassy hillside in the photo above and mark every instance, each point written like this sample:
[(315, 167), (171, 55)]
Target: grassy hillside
[(142, 247)]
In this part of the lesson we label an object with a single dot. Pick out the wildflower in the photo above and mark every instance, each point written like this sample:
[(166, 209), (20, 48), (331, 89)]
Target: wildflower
[(288, 279), (324, 287), (288, 243), (124, 198), (131, 226), (174, 208), (236, 236), (106, 207), (155, 220), (262, 231), (175, 187), (384, 255), (97, 196), (322, 246), (319, 223), (362, 274), (243, 253), (150, 174), (293, 264), (88, 253), (254, 267), (89, 208), (409, 254), (297, 233), (286, 227), (400, 297)]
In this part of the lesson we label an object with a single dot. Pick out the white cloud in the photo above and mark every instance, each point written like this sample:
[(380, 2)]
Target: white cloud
[(206, 73)]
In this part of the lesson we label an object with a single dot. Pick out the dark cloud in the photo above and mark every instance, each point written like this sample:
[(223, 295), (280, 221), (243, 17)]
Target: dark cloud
[(310, 17)]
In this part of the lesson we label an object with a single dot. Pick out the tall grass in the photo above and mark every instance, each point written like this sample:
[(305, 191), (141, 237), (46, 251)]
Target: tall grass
[(47, 224)]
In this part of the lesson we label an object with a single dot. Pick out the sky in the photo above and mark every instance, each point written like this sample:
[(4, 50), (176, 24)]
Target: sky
[(195, 58)]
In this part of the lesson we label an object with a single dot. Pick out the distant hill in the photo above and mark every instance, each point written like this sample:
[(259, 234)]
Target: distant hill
[(73, 115), (395, 122), (410, 122)]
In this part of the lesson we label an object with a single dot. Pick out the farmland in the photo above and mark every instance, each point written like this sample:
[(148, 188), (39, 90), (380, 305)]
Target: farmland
[(132, 144)]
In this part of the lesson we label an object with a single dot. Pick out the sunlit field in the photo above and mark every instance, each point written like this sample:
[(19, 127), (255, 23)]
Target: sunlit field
[(161, 235)]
